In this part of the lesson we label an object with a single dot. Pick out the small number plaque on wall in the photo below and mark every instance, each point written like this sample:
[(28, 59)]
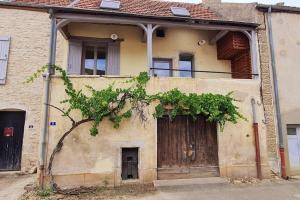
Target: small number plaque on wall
[(8, 132)]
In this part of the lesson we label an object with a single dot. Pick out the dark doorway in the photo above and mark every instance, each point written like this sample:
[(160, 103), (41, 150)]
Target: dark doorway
[(187, 148), (129, 163), (11, 140)]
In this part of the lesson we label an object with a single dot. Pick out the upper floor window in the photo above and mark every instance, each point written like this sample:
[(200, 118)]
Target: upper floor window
[(95, 60), (186, 64), (92, 56), (162, 67)]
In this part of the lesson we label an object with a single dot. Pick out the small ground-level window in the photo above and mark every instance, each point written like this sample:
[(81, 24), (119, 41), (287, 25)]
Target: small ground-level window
[(95, 59), (129, 163), (162, 67), (186, 64)]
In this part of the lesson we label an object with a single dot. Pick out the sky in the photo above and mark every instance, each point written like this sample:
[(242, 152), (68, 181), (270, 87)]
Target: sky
[(287, 2)]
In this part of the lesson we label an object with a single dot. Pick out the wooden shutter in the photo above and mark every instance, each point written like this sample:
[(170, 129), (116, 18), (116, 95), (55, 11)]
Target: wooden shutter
[(4, 49), (75, 57), (113, 58)]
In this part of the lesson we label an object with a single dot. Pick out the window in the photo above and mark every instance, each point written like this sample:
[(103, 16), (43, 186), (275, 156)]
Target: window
[(95, 60), (292, 131), (93, 56), (162, 67), (182, 12), (129, 163), (186, 63)]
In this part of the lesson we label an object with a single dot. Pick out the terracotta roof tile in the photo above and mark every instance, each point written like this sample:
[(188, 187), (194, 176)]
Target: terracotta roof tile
[(138, 7), (45, 2)]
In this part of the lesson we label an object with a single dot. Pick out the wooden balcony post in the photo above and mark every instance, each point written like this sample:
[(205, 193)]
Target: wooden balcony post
[(149, 29), (149, 33)]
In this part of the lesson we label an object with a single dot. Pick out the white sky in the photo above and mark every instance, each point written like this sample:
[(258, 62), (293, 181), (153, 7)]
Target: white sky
[(287, 2)]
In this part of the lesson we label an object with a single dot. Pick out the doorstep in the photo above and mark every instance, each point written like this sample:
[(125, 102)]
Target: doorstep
[(215, 181), (4, 174)]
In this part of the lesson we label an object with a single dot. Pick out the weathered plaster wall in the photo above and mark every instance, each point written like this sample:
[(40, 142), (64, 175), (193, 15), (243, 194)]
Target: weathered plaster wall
[(29, 32), (245, 12), (87, 160), (177, 40), (248, 13), (287, 51)]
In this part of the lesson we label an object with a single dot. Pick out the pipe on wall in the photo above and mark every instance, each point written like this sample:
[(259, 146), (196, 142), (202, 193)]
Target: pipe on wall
[(276, 93), (256, 140), (52, 52)]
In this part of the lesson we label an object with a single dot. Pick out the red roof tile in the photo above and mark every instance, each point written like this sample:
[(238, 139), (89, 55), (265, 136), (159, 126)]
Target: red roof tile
[(45, 2), (138, 7)]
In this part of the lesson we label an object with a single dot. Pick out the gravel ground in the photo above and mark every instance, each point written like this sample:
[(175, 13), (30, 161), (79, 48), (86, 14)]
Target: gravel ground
[(12, 185), (100, 193)]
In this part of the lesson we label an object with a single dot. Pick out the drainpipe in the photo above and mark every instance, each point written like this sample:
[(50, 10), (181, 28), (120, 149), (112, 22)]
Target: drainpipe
[(256, 139), (276, 94), (52, 50)]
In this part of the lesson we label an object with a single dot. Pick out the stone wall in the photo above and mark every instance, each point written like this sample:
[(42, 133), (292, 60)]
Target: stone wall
[(29, 47)]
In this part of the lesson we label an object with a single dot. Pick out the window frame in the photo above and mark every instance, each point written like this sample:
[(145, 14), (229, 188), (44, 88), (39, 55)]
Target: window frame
[(192, 63), (96, 45), (169, 60)]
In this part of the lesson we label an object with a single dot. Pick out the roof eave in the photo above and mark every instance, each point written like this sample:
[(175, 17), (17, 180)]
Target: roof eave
[(116, 13), (168, 18), (277, 8)]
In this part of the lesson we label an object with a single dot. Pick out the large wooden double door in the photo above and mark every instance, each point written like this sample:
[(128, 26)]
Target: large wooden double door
[(186, 148)]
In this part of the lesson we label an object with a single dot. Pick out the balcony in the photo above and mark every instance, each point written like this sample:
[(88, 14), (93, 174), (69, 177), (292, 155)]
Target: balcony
[(168, 51)]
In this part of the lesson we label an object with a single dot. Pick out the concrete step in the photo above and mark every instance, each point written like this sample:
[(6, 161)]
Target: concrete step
[(7, 174), (200, 182)]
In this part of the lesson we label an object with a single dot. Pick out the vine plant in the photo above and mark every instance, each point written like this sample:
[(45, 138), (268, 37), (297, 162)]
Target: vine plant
[(118, 104)]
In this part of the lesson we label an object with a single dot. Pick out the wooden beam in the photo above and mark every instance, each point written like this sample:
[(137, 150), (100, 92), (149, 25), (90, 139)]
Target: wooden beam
[(65, 33), (217, 37), (149, 46)]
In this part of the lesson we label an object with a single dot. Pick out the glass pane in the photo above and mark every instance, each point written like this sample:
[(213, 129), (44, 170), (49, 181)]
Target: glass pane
[(162, 65), (89, 61), (101, 61), (291, 131), (185, 63)]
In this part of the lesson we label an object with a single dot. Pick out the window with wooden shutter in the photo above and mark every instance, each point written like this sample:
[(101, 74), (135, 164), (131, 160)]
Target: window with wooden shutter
[(94, 57), (75, 57), (4, 50)]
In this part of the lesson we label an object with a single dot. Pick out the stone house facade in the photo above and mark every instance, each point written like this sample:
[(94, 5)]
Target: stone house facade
[(97, 165)]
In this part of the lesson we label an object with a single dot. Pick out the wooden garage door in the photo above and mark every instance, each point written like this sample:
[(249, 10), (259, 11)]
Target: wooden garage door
[(187, 148)]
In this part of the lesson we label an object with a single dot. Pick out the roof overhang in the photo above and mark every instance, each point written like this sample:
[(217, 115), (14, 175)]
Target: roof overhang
[(69, 12), (277, 8)]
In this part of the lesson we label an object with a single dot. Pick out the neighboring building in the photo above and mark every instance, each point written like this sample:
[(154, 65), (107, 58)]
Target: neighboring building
[(284, 26), (24, 47), (221, 53)]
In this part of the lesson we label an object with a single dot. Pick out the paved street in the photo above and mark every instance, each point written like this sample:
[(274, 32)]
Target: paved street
[(11, 188), (12, 185), (282, 190)]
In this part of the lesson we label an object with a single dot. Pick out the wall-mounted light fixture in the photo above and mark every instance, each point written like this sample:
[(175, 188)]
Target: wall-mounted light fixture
[(202, 42), (114, 36)]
